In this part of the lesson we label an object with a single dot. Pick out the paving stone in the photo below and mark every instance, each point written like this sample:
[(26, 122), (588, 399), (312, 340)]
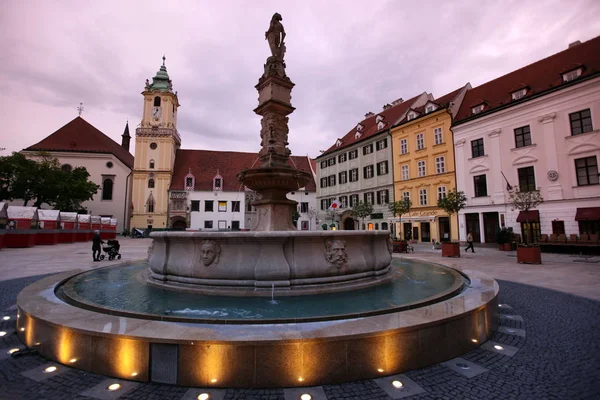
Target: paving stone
[(101, 391), (500, 348), (43, 372), (464, 367), (512, 331), (408, 388), (316, 393)]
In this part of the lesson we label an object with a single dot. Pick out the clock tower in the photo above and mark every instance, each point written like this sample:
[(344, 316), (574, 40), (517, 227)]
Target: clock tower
[(156, 142)]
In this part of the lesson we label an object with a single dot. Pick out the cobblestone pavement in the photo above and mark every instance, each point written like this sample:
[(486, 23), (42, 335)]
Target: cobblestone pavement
[(549, 348)]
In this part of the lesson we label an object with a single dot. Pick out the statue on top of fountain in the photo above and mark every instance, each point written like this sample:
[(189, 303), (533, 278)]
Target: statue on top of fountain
[(275, 37)]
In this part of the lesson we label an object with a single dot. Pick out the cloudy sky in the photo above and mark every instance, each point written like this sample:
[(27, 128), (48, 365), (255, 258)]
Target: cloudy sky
[(346, 58)]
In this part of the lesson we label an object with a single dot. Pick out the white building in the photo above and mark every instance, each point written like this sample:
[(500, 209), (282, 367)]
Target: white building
[(358, 167), (537, 126), (79, 144)]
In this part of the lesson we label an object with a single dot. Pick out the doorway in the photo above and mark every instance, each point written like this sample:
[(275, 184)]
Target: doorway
[(349, 224), (444, 224), (491, 225), (425, 232), (472, 221), (415, 233), (407, 231)]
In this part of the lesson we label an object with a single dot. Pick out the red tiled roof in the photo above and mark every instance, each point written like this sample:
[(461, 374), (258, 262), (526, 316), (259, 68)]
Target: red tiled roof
[(391, 117), (80, 136), (446, 99), (204, 165), (539, 77)]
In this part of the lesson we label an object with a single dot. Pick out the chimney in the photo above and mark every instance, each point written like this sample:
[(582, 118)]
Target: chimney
[(369, 114), (575, 43), (126, 138), (396, 102), (386, 106)]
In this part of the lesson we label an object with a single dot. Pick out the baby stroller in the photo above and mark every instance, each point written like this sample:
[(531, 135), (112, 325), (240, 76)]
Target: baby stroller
[(111, 248)]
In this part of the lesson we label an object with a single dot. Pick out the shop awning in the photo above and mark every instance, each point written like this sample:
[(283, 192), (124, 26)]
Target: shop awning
[(529, 216), (588, 214)]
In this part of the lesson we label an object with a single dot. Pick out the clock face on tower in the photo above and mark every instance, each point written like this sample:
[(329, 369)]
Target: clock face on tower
[(156, 112)]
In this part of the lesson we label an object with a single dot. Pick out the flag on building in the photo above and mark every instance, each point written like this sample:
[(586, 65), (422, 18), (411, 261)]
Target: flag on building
[(335, 206)]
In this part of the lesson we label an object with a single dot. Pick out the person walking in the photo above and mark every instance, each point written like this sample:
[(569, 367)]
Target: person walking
[(96, 245), (470, 242)]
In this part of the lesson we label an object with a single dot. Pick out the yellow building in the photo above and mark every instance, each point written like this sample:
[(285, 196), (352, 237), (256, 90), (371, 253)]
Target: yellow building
[(423, 158), (156, 143)]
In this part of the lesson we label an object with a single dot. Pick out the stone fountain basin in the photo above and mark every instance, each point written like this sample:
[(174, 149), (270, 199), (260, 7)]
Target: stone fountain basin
[(282, 179), (255, 263)]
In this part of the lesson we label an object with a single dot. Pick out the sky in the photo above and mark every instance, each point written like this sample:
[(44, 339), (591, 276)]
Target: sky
[(346, 58)]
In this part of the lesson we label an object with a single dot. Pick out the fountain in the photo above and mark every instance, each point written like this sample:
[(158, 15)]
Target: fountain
[(202, 310)]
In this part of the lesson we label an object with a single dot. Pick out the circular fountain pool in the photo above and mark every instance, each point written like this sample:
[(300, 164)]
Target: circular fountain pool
[(111, 321), (124, 290)]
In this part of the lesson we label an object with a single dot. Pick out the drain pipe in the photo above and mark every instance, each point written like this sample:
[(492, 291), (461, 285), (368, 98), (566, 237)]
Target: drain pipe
[(126, 220)]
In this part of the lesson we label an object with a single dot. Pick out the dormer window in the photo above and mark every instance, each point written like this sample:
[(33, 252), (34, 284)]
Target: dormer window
[(411, 115), (380, 125), (190, 181), (379, 118), (218, 182), (477, 109), (516, 95), (429, 108), (338, 143), (572, 75), (357, 135), (359, 127)]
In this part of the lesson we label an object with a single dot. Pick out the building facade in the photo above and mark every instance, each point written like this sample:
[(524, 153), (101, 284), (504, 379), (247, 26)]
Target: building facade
[(79, 144), (358, 167), (423, 160), (534, 128), (156, 142)]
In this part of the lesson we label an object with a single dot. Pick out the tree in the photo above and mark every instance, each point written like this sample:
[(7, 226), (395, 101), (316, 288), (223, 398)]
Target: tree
[(362, 210), (525, 201), (400, 207), (453, 202), (74, 189), (17, 174)]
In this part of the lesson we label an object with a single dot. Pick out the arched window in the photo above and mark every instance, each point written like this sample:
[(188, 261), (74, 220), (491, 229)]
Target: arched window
[(384, 226), (151, 164), (66, 168), (150, 204), (107, 189), (157, 101), (376, 226), (151, 183)]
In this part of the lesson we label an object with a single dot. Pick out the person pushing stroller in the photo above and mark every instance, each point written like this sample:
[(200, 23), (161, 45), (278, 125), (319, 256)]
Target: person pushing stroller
[(97, 243)]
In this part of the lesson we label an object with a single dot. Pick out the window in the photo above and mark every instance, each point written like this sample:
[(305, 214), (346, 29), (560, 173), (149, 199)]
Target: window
[(354, 175), (153, 146), (331, 180), (405, 175), (150, 183), (526, 179), (382, 144), (480, 184), (342, 157), (157, 101), (581, 122), (383, 196), (109, 164), (222, 224), (353, 154), (406, 196), (235, 225), (437, 136), (440, 165), (178, 205), (587, 171), (218, 183), (323, 182), (522, 136), (423, 197), (343, 177), (519, 94), (420, 141), (67, 167), (324, 164), (331, 161), (382, 168), (368, 172), (151, 164), (441, 192), (208, 224), (324, 204), (235, 206), (150, 206), (189, 182), (107, 188), (208, 205), (195, 205), (353, 200), (369, 197), (429, 109), (477, 148), (411, 115), (368, 149), (304, 207), (572, 75), (222, 206), (403, 146), (344, 201), (477, 109), (421, 171)]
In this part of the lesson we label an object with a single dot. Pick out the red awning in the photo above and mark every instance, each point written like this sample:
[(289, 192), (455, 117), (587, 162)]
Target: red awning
[(529, 216), (588, 214)]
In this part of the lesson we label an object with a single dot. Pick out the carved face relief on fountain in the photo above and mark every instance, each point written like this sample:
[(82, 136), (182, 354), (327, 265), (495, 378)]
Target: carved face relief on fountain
[(335, 252), (209, 252)]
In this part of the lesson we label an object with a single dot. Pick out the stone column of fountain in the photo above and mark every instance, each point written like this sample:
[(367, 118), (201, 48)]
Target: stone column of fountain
[(275, 177)]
